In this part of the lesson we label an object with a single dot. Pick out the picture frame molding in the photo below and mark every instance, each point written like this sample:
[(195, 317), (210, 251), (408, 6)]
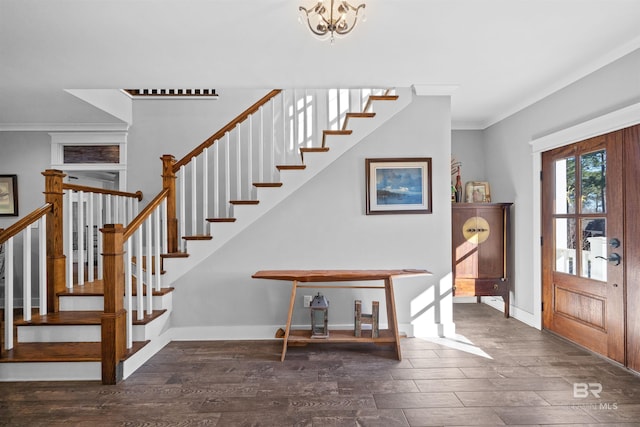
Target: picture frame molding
[(373, 208), (12, 187), (471, 186)]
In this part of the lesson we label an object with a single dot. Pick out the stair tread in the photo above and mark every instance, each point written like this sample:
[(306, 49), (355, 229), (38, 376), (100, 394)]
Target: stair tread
[(198, 237), (361, 115), (267, 184), (80, 318), (96, 289), (221, 220), (244, 202), (338, 132), (314, 149), (383, 97), (60, 352), (175, 255), (291, 167)]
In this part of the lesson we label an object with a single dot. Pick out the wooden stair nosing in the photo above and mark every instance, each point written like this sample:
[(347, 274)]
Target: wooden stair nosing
[(325, 133), (365, 115), (61, 352), (175, 255), (197, 237), (81, 318), (221, 220), (244, 202), (291, 167), (96, 289), (312, 150), (267, 184)]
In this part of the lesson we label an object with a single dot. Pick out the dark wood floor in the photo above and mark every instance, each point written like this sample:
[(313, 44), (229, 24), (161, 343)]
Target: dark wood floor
[(498, 372)]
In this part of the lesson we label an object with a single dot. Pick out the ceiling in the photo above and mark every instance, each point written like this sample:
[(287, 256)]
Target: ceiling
[(502, 55)]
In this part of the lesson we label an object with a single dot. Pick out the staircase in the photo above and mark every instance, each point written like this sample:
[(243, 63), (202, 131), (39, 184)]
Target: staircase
[(68, 344)]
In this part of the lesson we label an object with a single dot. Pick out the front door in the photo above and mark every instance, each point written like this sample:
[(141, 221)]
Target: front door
[(591, 244), (583, 245)]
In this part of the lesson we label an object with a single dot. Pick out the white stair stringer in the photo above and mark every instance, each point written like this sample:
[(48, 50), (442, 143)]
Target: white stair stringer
[(292, 180)]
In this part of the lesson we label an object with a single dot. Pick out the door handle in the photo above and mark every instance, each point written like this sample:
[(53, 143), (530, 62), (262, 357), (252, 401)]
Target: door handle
[(614, 258)]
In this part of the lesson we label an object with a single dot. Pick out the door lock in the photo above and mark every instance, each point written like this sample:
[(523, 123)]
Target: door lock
[(614, 258)]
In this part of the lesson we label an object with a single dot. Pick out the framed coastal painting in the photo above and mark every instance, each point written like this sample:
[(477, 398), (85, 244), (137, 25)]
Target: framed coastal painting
[(398, 186), (8, 195)]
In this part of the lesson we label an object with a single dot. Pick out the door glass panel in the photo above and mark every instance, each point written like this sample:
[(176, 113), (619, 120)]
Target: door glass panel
[(594, 245), (565, 186), (593, 175), (565, 245)]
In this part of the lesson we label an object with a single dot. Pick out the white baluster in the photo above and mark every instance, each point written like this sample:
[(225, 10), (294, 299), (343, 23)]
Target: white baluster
[(227, 172), (194, 197), (80, 234), (250, 158), (149, 276), (183, 178), (128, 290), (164, 226), (216, 208), (272, 151), (100, 225), (70, 239), (284, 129), (90, 238), (8, 294), (116, 210), (205, 189), (26, 273), (42, 264), (139, 275), (156, 246), (108, 218), (261, 147), (238, 164)]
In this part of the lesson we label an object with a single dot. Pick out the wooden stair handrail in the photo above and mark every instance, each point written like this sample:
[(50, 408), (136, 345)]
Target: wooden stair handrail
[(142, 216), (86, 189), (232, 124), (24, 222)]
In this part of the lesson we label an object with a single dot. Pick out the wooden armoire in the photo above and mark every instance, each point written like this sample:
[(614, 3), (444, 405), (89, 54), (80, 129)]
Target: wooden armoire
[(481, 238)]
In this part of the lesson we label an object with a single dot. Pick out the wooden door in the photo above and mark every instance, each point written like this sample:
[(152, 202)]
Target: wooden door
[(583, 245)]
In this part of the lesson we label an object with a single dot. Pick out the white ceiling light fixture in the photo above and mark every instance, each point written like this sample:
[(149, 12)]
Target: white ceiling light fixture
[(330, 19)]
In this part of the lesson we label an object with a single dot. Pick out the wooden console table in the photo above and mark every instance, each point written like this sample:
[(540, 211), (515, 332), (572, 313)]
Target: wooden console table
[(387, 336)]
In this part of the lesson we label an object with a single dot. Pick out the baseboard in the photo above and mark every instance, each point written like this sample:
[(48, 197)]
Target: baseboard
[(515, 312)]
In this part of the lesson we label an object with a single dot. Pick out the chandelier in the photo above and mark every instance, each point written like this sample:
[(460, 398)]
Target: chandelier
[(329, 18)]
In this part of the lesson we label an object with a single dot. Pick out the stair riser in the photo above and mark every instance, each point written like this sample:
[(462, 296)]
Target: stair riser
[(90, 303), (58, 371), (84, 333)]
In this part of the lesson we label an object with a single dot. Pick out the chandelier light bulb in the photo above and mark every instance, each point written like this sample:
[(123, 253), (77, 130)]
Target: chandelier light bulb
[(331, 18)]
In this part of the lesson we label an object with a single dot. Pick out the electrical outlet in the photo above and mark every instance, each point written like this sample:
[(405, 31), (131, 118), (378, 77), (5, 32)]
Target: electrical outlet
[(307, 300)]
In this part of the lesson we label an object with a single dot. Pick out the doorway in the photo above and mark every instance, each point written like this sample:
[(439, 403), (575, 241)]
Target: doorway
[(590, 260)]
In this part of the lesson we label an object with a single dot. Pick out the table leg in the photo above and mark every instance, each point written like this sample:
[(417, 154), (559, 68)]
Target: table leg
[(288, 326), (391, 314)]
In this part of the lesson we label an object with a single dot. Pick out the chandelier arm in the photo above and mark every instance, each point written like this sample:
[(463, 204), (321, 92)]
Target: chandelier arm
[(355, 20)]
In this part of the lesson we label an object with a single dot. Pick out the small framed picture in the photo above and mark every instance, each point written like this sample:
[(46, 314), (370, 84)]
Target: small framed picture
[(477, 192), (398, 186), (8, 195)]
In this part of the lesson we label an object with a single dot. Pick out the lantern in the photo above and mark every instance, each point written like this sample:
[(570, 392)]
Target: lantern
[(319, 317)]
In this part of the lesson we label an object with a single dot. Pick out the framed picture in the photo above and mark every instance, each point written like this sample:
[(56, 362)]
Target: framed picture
[(8, 195), (477, 192), (398, 186)]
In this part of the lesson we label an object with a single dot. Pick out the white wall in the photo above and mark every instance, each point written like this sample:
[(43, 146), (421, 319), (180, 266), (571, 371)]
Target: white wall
[(324, 226), (26, 154), (509, 158), (467, 146), (176, 127)]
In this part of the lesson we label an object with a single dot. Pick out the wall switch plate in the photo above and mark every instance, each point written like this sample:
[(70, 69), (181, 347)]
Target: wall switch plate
[(307, 300)]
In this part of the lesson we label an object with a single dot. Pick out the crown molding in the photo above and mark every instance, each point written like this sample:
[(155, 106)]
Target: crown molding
[(64, 127)]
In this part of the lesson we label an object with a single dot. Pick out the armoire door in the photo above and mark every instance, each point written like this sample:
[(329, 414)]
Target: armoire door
[(590, 224)]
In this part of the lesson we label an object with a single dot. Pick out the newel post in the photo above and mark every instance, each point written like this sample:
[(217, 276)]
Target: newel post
[(169, 183), (56, 260), (114, 317)]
